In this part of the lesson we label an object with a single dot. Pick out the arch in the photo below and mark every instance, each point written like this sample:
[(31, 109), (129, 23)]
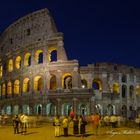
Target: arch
[(52, 54), (18, 62), (97, 84), (83, 83), (110, 110), (39, 56), (50, 109), (26, 86), (53, 84), (124, 78), (66, 109), (26, 109), (131, 91), (27, 59), (39, 109), (137, 90), (1, 69), (3, 89), (124, 111), (16, 87), (116, 88), (9, 88), (38, 83), (99, 109), (82, 109), (8, 110), (67, 81), (10, 65), (124, 91)]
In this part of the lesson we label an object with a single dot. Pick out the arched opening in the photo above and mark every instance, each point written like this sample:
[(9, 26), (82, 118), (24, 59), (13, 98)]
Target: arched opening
[(66, 109), (131, 91), (16, 87), (50, 109), (10, 65), (116, 88), (53, 84), (137, 90), (97, 84), (39, 109), (110, 110), (26, 86), (27, 59), (83, 83), (1, 68), (8, 110), (124, 89), (83, 109), (38, 85), (124, 78), (124, 111), (39, 56), (9, 88), (67, 81), (99, 109), (18, 62), (52, 54), (3, 89)]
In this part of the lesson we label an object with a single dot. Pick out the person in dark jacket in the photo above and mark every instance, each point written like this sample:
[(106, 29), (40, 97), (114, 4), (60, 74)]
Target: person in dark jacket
[(16, 124), (75, 125), (82, 124)]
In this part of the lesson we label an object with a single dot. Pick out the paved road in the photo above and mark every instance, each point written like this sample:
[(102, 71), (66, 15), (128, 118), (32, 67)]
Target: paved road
[(46, 132)]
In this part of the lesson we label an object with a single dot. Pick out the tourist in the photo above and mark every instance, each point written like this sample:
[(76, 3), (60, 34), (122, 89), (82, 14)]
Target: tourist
[(75, 125), (16, 124), (82, 125), (65, 123), (57, 126)]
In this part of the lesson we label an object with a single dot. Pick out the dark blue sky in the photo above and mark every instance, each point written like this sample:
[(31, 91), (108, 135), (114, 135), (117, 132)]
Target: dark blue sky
[(94, 30)]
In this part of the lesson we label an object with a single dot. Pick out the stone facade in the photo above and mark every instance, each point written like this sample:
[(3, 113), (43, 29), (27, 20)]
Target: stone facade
[(37, 78)]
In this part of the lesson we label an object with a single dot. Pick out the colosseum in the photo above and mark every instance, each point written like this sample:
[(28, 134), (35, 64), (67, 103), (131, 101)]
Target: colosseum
[(37, 78)]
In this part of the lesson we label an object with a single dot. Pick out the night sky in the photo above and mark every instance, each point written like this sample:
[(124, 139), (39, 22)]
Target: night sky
[(94, 30)]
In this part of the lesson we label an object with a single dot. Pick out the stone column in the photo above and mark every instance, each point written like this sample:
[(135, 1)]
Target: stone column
[(92, 105), (75, 78), (58, 106), (75, 105), (59, 79)]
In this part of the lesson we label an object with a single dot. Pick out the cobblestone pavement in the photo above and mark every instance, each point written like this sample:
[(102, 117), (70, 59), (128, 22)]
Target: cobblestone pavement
[(46, 132)]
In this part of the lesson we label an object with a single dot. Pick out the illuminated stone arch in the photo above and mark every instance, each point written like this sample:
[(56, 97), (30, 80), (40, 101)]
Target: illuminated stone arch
[(52, 54), (9, 88), (83, 109), (16, 87), (39, 56), (27, 59), (3, 89), (66, 109), (10, 65), (67, 81), (99, 109), (8, 109), (18, 62), (1, 69), (116, 88), (97, 84), (137, 90), (53, 84), (26, 85), (131, 91), (84, 83), (38, 83), (50, 109), (111, 110)]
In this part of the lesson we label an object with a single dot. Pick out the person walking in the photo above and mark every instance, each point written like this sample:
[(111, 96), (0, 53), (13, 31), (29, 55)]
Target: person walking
[(16, 124), (65, 123), (96, 122), (24, 120), (57, 126)]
